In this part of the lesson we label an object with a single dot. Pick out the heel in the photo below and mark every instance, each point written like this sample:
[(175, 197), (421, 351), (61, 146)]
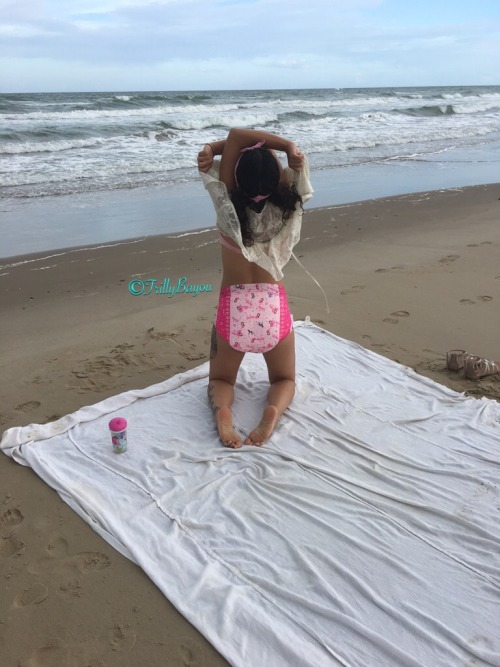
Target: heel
[(456, 359)]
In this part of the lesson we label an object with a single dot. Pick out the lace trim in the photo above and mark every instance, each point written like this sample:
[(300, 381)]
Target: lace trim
[(286, 319), (223, 317), (274, 239)]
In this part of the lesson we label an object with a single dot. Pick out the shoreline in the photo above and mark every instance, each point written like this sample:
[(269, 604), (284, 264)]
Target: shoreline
[(409, 277), (8, 260), (105, 216)]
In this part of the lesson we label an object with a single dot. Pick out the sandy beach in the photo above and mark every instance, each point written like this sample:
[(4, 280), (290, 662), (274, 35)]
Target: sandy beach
[(408, 277)]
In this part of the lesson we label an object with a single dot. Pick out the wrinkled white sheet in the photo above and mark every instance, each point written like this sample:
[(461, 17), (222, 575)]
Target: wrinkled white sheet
[(365, 533)]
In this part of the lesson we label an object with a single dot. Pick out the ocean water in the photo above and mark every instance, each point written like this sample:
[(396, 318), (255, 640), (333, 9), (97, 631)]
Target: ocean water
[(59, 144)]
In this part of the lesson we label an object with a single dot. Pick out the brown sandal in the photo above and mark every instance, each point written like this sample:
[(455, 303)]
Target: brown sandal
[(476, 368), (456, 359)]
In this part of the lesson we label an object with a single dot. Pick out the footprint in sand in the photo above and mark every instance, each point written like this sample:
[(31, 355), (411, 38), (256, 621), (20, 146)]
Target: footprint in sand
[(394, 317), (483, 297), (122, 347), (191, 654), (70, 590), (393, 268), (448, 259), (122, 637), (29, 406), (68, 567), (35, 594), (83, 562), (85, 651), (49, 656), (11, 546), (194, 356), (104, 372), (353, 289), (11, 518), (163, 335)]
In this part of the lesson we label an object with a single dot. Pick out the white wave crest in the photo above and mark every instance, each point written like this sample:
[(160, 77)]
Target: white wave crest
[(56, 149), (98, 114), (224, 120), (49, 146), (476, 108)]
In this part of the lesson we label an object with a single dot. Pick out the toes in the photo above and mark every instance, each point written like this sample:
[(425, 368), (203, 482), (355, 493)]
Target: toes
[(256, 441), (231, 440), (227, 432), (233, 444)]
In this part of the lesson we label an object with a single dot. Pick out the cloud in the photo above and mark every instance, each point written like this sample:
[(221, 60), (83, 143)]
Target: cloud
[(19, 31), (229, 43)]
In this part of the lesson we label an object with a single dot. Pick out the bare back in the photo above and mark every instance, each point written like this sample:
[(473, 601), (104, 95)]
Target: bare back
[(238, 270)]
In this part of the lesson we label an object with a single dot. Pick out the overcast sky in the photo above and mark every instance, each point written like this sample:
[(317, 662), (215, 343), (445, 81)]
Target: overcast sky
[(125, 45)]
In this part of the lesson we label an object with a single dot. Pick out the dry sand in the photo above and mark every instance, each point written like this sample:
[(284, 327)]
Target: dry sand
[(408, 277)]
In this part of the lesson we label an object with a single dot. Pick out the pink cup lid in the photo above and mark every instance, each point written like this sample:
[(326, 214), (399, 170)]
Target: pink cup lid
[(118, 424)]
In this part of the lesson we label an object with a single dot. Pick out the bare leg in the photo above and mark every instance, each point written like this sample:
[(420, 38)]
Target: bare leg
[(221, 395), (281, 367), (224, 365)]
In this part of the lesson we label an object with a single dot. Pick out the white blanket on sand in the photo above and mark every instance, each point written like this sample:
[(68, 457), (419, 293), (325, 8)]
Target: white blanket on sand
[(366, 532)]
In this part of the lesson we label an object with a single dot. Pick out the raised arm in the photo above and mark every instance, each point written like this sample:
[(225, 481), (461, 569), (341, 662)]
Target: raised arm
[(207, 154), (237, 139)]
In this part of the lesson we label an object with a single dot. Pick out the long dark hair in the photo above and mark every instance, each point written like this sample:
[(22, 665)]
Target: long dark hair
[(258, 173)]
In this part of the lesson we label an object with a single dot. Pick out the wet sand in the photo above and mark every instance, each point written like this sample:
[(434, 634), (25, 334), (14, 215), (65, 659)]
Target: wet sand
[(408, 277)]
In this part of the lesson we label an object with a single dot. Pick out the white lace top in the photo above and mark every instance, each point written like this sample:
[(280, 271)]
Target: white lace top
[(274, 240)]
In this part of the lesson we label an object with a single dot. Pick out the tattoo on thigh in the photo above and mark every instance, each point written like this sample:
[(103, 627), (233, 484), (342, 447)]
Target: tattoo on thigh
[(213, 343), (210, 392)]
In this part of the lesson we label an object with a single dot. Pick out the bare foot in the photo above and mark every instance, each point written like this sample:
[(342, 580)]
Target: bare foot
[(266, 426), (225, 426)]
